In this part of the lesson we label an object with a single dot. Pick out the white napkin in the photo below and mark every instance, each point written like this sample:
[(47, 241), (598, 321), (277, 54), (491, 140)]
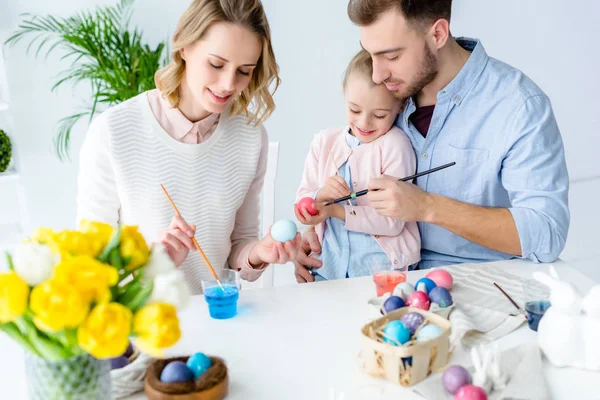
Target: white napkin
[(523, 366), (482, 313)]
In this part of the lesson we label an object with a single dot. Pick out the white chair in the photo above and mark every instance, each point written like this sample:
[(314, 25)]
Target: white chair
[(267, 213)]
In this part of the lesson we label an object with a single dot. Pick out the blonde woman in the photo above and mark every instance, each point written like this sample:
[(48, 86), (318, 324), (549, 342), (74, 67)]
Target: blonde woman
[(200, 134)]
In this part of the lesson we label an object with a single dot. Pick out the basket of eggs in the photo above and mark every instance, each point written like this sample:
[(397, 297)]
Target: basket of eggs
[(198, 377), (412, 339), (406, 345)]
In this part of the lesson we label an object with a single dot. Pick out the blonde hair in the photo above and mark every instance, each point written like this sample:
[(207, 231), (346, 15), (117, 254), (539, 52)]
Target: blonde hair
[(256, 101), (362, 64)]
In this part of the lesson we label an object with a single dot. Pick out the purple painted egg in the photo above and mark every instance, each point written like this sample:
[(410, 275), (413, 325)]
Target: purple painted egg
[(119, 362), (441, 278), (429, 284), (440, 296), (455, 377), (470, 392), (391, 304), (176, 371), (418, 300), (412, 321)]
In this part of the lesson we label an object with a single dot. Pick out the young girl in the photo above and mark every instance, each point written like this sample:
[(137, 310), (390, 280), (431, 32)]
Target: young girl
[(353, 237), (201, 135)]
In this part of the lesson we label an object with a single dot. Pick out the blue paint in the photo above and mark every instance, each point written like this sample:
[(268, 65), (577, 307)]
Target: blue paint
[(535, 312), (222, 304)]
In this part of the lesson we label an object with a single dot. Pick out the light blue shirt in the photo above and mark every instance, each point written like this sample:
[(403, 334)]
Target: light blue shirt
[(346, 253), (499, 128)]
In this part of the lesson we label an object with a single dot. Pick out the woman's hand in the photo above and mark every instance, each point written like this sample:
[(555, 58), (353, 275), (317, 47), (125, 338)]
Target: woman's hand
[(177, 239), (270, 251)]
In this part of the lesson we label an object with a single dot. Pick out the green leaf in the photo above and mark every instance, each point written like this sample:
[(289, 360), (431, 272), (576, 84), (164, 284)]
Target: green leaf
[(113, 243), (141, 297), (9, 261), (13, 331)]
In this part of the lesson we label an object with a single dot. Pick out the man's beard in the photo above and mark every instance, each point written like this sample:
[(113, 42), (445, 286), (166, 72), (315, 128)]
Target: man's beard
[(428, 72)]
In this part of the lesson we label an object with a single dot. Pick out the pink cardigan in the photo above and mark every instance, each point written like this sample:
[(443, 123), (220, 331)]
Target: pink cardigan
[(391, 154)]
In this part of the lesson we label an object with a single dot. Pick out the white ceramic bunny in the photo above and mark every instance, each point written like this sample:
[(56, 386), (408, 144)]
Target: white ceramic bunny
[(560, 331), (495, 372), (481, 363), (591, 328)]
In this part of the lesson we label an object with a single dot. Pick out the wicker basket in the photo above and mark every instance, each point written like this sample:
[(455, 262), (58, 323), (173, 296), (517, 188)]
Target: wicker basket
[(392, 362), (129, 380)]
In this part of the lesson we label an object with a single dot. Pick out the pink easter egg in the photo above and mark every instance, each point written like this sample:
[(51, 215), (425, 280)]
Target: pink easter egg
[(470, 392), (418, 300), (441, 278)]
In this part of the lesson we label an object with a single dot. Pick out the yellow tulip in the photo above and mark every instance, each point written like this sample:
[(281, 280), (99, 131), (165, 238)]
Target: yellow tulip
[(98, 233), (13, 297), (105, 332), (91, 278), (57, 305), (134, 247), (43, 235), (157, 327)]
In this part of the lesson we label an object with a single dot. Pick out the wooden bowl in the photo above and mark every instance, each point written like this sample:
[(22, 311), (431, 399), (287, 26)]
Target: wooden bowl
[(212, 385)]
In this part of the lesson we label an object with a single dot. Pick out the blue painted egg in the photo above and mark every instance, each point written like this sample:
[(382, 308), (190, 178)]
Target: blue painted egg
[(391, 304), (396, 333), (440, 296), (404, 290), (198, 363), (412, 321), (284, 230), (429, 284), (428, 332), (176, 371)]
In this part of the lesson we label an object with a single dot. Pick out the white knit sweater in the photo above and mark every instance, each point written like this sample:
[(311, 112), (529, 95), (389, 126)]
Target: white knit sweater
[(215, 184)]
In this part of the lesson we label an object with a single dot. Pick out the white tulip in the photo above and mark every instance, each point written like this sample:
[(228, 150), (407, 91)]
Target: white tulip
[(34, 262), (158, 263), (170, 287)]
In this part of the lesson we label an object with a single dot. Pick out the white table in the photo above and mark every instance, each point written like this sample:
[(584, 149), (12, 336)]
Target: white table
[(302, 341)]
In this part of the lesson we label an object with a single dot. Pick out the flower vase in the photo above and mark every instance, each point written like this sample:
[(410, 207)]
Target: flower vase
[(81, 377)]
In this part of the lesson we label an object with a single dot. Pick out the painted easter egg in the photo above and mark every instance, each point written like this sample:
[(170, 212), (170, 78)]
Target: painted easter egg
[(198, 363), (391, 304), (429, 331), (284, 230), (396, 333), (470, 392), (308, 204), (418, 300), (440, 296), (441, 278), (403, 290), (176, 371), (429, 284), (412, 321), (119, 362), (455, 377)]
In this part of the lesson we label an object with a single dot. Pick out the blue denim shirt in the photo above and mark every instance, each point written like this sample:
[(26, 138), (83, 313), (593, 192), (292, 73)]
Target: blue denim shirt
[(499, 128), (346, 253)]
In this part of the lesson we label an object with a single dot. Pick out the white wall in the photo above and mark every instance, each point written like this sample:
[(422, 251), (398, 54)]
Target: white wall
[(553, 41)]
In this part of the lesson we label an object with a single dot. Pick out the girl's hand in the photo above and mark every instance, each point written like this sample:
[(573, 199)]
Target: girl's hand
[(335, 187), (334, 210)]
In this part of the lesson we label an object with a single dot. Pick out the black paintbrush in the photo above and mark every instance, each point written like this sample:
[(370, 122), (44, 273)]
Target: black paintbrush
[(408, 178)]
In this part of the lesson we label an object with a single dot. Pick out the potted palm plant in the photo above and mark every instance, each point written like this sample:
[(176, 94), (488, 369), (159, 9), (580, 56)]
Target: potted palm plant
[(100, 48)]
